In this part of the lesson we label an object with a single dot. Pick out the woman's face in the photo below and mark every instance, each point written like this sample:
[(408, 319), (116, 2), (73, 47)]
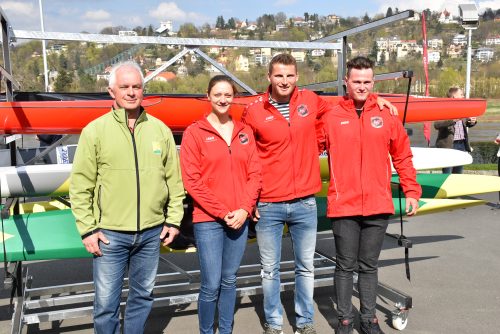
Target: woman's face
[(221, 96), (459, 94)]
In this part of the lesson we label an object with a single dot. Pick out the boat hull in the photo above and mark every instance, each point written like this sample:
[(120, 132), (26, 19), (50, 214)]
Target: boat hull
[(70, 117)]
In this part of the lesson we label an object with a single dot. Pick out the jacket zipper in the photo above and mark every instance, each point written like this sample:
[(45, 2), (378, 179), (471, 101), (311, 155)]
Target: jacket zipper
[(231, 166), (289, 123), (360, 129), (136, 177)]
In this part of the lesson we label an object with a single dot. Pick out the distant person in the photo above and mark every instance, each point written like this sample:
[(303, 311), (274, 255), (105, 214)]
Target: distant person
[(361, 141), (221, 172), (284, 122), (453, 133), (47, 140), (126, 195), (497, 141)]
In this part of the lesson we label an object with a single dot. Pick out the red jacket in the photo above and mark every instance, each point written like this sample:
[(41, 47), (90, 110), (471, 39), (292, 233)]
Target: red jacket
[(218, 177), (287, 150), (360, 151)]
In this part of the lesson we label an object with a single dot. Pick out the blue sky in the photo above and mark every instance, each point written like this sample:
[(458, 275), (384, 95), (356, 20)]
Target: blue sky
[(93, 15)]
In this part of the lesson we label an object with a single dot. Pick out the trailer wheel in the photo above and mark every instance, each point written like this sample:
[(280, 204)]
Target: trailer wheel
[(400, 319)]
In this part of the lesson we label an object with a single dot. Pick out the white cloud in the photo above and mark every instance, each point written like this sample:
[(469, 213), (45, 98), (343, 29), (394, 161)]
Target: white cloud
[(170, 11), (493, 4), (95, 26), (18, 8), (97, 15), (21, 15)]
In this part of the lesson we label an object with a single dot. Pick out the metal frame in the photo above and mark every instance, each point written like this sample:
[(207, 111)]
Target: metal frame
[(341, 70), (32, 304), (56, 303)]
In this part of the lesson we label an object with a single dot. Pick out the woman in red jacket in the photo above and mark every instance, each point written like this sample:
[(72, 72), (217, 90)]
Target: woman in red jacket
[(221, 172)]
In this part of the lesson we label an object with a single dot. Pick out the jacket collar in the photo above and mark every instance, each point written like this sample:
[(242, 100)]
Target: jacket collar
[(205, 125), (120, 115), (295, 93), (348, 104)]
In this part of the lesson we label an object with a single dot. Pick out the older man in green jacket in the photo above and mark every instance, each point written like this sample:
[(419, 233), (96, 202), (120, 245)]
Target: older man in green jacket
[(126, 194)]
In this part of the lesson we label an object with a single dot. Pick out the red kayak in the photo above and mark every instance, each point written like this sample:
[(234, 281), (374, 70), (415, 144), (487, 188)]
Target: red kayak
[(69, 117)]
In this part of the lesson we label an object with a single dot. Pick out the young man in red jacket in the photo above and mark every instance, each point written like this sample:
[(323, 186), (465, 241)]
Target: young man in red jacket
[(284, 124), (361, 140)]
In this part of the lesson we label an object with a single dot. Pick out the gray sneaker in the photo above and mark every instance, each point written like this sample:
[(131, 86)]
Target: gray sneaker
[(307, 329), (270, 330)]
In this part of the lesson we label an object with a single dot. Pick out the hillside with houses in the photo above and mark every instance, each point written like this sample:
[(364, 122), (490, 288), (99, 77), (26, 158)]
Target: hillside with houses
[(82, 66)]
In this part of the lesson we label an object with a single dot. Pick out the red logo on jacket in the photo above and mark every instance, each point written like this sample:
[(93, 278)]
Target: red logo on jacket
[(243, 138), (377, 122), (302, 110)]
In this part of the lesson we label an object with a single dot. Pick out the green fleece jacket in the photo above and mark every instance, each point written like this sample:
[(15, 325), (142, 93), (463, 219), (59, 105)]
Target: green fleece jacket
[(126, 181)]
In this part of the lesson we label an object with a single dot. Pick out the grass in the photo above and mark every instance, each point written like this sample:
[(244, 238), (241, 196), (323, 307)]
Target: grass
[(481, 167), (492, 113)]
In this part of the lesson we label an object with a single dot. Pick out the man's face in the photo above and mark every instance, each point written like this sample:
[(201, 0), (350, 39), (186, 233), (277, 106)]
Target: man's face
[(359, 84), (459, 94), (127, 90), (283, 80)]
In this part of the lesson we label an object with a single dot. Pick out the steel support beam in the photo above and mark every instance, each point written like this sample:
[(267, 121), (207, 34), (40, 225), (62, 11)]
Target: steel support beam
[(196, 42)]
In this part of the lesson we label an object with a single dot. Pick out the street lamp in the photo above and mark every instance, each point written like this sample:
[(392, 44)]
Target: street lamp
[(469, 19)]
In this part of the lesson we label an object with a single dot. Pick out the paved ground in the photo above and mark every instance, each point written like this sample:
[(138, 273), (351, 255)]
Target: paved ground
[(455, 269)]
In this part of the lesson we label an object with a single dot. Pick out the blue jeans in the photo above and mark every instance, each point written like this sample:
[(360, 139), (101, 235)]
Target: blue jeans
[(220, 250), (457, 145), (302, 219), (358, 242), (140, 253)]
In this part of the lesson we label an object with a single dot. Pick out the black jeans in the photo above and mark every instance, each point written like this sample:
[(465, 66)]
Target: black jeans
[(358, 242)]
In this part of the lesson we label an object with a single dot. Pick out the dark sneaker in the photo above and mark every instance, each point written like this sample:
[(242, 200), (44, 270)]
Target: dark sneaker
[(344, 327), (270, 330), (307, 329), (370, 327)]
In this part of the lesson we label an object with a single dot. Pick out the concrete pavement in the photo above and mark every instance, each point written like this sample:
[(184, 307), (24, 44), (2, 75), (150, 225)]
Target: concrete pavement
[(455, 269)]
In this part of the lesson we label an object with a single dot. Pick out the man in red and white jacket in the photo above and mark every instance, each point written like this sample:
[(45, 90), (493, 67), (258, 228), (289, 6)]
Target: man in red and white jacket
[(284, 122), (361, 140)]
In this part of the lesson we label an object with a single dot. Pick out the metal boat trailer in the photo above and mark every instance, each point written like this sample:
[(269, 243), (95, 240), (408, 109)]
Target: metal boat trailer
[(57, 303)]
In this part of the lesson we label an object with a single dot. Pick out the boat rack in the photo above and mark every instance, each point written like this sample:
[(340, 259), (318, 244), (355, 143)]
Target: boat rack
[(57, 303)]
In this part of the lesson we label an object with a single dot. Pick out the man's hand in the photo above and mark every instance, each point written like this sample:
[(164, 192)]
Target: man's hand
[(256, 215), (238, 219), (381, 102), (91, 243), (168, 234), (411, 206)]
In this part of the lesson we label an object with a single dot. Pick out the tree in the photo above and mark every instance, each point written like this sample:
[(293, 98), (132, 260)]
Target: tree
[(188, 30), (381, 61), (306, 16), (373, 52), (280, 18), (366, 18), (231, 23), (389, 12), (63, 81), (63, 62), (220, 23), (488, 15)]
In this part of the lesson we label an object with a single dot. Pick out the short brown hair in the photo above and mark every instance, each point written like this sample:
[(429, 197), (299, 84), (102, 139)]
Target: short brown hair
[(452, 91), (284, 59), (359, 63), (221, 78)]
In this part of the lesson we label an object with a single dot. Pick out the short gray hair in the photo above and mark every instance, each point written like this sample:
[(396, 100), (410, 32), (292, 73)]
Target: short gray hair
[(128, 63)]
